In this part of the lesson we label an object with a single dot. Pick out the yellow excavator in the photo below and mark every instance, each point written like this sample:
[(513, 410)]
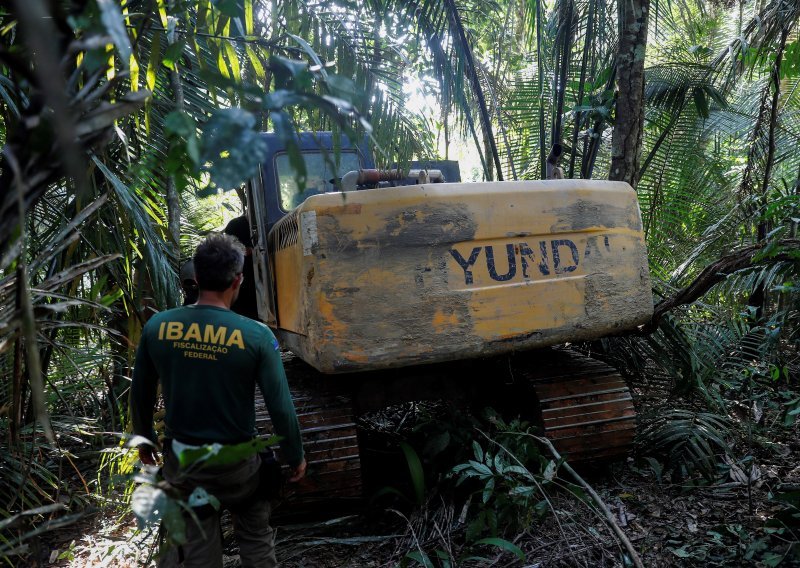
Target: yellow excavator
[(396, 286)]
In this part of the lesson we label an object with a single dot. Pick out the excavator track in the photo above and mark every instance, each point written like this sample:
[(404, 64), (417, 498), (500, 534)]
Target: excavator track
[(582, 405), (329, 435), (585, 407)]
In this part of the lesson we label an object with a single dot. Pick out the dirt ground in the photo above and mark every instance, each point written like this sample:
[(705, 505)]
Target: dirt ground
[(669, 525), (669, 522)]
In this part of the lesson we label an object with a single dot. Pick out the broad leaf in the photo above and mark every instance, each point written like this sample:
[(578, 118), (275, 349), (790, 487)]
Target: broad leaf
[(148, 503), (232, 147), (505, 545)]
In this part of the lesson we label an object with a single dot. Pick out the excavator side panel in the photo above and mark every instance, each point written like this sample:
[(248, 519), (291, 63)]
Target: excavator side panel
[(400, 276)]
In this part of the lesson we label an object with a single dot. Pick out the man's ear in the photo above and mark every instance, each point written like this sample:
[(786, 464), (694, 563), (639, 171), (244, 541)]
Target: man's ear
[(237, 282)]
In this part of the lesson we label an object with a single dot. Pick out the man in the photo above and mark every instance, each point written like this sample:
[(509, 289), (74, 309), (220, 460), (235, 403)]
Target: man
[(209, 361), (189, 283), (245, 303)]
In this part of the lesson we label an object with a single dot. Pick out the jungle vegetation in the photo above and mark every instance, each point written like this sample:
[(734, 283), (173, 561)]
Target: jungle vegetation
[(119, 118)]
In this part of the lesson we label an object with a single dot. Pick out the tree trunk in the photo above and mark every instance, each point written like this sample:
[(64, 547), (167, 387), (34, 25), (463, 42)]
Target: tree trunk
[(173, 199), (564, 58), (786, 251), (598, 127), (457, 28), (626, 139), (540, 71), (758, 297), (581, 86)]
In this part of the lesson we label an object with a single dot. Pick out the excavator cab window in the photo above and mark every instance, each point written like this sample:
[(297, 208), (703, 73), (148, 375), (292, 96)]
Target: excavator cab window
[(274, 192), (321, 170)]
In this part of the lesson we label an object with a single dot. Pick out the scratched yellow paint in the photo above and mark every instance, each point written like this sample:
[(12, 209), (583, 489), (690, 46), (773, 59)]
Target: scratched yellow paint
[(444, 321), (399, 276), (496, 318), (291, 306), (330, 326)]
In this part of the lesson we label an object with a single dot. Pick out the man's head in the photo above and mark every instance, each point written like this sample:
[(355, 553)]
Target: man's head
[(189, 282), (218, 263), (240, 228)]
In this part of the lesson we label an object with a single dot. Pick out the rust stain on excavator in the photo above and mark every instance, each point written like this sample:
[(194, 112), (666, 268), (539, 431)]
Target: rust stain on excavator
[(426, 273), (347, 209), (444, 320)]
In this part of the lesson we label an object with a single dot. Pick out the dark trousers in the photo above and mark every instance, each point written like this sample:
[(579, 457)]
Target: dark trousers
[(235, 487)]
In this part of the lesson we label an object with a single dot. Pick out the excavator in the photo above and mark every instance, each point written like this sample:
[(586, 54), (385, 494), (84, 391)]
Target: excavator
[(400, 286)]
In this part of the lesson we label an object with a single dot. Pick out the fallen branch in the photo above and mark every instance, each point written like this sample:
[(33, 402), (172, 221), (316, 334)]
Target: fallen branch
[(718, 271), (623, 538)]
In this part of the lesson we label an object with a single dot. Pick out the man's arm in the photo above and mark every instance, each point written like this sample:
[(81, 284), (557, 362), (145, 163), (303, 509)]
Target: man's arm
[(275, 388), (144, 389)]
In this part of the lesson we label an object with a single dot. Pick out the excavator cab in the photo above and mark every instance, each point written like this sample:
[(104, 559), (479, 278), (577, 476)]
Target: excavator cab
[(275, 192)]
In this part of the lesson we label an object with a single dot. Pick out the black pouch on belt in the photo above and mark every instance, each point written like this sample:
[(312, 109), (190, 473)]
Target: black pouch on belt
[(270, 484)]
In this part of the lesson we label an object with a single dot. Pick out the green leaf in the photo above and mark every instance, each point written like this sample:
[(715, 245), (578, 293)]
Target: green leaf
[(233, 60), (541, 508), (416, 472), (420, 557), (522, 490), (681, 552), (232, 147), (656, 467), (280, 99), (550, 471), (109, 299), (154, 61), (112, 19), (230, 8), (255, 62), (772, 559), (498, 464), (148, 503), (248, 17), (481, 468), (200, 497), (503, 544), (175, 521), (311, 53), (520, 470), (446, 559), (182, 125), (478, 450), (173, 54), (217, 454), (6, 88), (291, 74), (343, 88), (488, 490)]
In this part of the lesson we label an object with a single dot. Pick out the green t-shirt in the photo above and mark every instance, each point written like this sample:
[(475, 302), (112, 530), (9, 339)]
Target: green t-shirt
[(209, 361)]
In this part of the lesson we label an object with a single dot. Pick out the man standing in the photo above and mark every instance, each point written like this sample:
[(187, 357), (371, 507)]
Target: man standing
[(245, 303), (189, 283), (209, 361)]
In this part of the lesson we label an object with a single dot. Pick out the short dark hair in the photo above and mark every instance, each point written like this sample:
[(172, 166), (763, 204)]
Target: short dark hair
[(239, 227), (217, 262)]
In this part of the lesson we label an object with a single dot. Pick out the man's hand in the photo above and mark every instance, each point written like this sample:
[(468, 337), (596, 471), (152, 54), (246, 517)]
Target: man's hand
[(298, 472), (147, 454)]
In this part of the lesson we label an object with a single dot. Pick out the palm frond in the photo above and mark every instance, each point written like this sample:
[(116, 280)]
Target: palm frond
[(684, 438)]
